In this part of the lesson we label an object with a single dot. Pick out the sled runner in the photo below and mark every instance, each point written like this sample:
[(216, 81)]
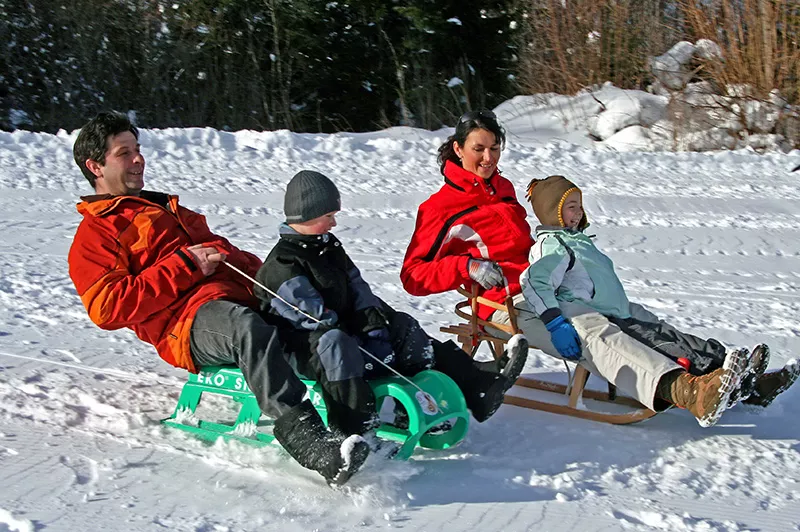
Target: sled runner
[(474, 331), (248, 427)]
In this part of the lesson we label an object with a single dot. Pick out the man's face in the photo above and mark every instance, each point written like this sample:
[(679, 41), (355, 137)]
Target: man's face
[(123, 171)]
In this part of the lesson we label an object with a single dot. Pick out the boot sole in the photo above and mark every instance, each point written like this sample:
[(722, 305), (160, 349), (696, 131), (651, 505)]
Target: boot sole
[(355, 451), (517, 356), (793, 366), (756, 368), (734, 368)]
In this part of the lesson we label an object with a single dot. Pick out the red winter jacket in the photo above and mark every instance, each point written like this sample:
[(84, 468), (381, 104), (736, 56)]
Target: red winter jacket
[(130, 266), (467, 218)]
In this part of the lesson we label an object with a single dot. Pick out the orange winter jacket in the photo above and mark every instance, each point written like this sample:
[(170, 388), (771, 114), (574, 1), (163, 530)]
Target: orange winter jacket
[(131, 269)]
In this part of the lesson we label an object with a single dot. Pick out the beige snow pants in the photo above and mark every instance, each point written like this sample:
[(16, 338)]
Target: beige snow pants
[(631, 366)]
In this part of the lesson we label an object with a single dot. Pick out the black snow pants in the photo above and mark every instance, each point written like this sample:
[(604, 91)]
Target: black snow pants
[(705, 355), (333, 358)]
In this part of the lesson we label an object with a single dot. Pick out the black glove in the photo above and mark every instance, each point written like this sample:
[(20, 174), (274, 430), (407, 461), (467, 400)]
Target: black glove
[(369, 319), (377, 343)]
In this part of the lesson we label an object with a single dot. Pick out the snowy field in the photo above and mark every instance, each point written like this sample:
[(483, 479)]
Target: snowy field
[(708, 241)]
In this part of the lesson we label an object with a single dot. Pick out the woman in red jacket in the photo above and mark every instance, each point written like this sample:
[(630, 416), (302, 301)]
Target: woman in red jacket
[(473, 230)]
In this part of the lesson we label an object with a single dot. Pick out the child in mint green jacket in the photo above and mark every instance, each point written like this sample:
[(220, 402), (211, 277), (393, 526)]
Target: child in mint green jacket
[(584, 313)]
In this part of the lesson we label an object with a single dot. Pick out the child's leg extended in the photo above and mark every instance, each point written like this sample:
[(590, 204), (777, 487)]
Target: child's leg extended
[(705, 355), (333, 359)]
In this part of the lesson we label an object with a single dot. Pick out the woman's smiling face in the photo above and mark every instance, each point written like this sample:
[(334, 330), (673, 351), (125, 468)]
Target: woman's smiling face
[(480, 153)]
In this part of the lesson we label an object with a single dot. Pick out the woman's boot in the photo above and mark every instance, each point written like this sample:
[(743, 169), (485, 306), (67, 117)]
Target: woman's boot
[(483, 390)]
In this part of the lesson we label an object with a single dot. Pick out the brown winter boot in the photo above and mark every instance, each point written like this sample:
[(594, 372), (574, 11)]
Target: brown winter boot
[(705, 397)]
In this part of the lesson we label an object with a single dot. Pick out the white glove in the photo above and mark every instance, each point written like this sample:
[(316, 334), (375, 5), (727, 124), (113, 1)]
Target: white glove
[(485, 272)]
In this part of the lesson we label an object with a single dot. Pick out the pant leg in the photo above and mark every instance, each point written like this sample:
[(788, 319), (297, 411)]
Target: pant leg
[(607, 351), (229, 333), (706, 355), (334, 359), (411, 344), (528, 323)]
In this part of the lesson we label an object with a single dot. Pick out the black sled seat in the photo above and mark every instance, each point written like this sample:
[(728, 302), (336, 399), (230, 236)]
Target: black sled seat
[(474, 331), (249, 427)]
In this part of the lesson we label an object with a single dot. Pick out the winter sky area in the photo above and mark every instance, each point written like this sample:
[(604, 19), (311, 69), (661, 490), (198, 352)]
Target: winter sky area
[(707, 240)]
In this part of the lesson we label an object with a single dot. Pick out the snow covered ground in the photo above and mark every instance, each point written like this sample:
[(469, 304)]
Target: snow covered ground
[(709, 241)]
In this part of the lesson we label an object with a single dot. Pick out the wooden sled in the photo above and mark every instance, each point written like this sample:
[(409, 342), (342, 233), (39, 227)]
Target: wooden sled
[(473, 332)]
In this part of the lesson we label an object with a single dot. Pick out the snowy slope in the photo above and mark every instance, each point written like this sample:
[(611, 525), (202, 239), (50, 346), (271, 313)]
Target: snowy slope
[(708, 241)]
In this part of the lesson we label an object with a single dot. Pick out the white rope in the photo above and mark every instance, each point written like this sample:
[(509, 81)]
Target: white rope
[(379, 361)]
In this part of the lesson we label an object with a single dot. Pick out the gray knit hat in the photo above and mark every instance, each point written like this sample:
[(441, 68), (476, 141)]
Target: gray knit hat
[(309, 195)]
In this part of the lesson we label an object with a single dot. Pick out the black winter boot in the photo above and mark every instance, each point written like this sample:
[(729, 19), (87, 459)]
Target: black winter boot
[(759, 360), (769, 385), (483, 390), (304, 436)]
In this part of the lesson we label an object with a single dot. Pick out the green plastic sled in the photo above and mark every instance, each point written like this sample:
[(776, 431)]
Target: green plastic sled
[(248, 427)]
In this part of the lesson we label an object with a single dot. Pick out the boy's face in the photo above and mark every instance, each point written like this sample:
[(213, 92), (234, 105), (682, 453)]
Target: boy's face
[(318, 226), (572, 210)]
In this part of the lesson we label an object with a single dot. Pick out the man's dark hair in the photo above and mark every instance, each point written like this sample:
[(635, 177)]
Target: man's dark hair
[(92, 141)]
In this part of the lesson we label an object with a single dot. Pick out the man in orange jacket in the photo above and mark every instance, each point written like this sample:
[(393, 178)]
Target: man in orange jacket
[(140, 260)]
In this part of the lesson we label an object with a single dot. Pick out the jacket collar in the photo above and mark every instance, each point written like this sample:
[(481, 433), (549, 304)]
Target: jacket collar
[(467, 182), (555, 229), (101, 204), (286, 232)]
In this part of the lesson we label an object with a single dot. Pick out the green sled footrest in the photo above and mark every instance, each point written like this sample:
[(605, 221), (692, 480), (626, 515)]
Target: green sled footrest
[(248, 427)]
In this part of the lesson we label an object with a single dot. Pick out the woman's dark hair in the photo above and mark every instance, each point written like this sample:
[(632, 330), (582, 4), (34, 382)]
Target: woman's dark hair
[(92, 141), (468, 122)]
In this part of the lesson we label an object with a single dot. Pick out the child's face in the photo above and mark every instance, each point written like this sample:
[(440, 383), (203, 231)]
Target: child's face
[(572, 210), (318, 226)]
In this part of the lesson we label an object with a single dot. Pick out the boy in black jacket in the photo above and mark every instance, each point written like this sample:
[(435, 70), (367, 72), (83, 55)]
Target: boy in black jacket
[(309, 269)]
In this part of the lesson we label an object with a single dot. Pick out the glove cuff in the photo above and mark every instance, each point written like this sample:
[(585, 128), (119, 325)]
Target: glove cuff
[(550, 316)]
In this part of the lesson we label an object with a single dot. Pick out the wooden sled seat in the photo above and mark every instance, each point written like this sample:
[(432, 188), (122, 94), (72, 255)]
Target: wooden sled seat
[(228, 381), (475, 331)]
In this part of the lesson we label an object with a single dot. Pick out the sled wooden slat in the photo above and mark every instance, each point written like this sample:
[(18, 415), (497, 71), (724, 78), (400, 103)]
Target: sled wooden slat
[(474, 332), (595, 395), (625, 418)]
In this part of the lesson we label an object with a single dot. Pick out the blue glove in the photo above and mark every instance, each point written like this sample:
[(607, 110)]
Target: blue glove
[(565, 338), (377, 343)]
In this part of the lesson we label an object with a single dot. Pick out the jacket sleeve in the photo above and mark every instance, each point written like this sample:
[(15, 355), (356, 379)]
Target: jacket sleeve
[(424, 272), (368, 313), (549, 263), (284, 276), (298, 293), (112, 295), (201, 234), (360, 291)]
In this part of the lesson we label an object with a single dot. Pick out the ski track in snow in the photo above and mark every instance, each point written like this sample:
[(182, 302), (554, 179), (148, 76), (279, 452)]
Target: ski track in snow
[(707, 241)]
